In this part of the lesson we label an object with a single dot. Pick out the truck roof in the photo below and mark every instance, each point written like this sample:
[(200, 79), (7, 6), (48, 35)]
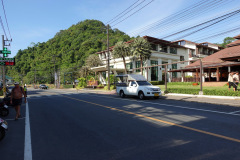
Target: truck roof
[(133, 77)]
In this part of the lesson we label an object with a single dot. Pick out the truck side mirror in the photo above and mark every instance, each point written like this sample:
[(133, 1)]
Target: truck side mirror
[(134, 85)]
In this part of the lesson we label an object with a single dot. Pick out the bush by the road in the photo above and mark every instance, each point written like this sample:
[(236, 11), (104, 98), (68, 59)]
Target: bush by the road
[(194, 91)]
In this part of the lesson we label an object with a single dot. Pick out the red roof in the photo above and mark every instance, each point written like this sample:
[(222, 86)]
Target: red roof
[(235, 43), (216, 58), (237, 37)]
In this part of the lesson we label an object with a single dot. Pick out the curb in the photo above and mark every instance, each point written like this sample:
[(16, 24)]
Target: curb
[(203, 96)]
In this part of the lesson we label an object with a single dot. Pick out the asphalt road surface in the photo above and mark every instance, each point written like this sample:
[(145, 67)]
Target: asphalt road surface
[(70, 125)]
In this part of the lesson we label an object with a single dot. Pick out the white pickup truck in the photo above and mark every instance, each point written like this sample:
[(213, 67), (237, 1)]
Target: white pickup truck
[(136, 85)]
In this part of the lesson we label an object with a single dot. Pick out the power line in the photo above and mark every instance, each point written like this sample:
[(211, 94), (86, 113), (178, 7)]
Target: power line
[(6, 19), (3, 27), (225, 16), (218, 34), (133, 13), (176, 20), (122, 12), (150, 26)]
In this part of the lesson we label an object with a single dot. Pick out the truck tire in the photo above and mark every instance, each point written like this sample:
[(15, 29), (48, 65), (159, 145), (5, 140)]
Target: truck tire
[(122, 94), (141, 95)]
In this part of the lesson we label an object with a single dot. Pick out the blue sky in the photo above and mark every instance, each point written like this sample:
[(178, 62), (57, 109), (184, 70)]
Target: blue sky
[(39, 20)]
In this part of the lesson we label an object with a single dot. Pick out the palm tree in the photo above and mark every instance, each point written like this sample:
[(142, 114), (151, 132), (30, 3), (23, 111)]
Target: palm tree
[(141, 48), (121, 50), (93, 61)]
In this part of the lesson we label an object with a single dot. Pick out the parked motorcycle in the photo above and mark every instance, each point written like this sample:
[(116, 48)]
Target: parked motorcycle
[(3, 128), (3, 109)]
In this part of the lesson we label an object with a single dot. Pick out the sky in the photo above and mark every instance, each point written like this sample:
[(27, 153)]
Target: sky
[(39, 20)]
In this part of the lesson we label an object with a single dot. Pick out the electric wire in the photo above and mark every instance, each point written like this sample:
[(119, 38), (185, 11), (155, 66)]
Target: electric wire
[(188, 16), (3, 27), (128, 12), (152, 25), (133, 13), (122, 12), (213, 29), (6, 19), (218, 34), (187, 29)]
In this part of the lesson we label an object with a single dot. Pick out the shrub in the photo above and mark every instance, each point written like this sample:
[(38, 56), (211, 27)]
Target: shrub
[(183, 90), (100, 85), (180, 83), (82, 82), (112, 87), (157, 82)]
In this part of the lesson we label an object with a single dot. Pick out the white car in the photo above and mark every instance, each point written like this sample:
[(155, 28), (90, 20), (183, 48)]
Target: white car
[(136, 85)]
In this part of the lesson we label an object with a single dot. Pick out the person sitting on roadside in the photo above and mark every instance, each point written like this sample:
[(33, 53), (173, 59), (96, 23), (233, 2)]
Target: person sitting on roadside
[(235, 81), (230, 80)]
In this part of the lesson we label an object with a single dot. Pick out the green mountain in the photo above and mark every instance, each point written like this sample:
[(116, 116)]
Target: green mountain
[(66, 52)]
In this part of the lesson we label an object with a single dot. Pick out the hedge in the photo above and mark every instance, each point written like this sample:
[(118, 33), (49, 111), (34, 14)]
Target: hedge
[(180, 83), (205, 92), (157, 82)]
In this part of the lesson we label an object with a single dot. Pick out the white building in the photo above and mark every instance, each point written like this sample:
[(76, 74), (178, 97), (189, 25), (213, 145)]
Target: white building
[(162, 52)]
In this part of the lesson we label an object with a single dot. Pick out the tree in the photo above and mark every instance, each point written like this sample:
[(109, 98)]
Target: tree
[(226, 41), (93, 61), (121, 50), (141, 48)]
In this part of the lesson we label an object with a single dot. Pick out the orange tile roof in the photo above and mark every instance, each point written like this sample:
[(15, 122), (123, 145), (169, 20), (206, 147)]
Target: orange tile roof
[(235, 43), (237, 37), (216, 58)]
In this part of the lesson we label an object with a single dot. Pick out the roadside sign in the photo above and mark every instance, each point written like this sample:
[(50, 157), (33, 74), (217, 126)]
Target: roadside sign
[(7, 61), (5, 52)]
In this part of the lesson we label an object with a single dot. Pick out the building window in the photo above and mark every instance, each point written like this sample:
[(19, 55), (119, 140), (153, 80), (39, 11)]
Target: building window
[(104, 74), (182, 43), (181, 58), (174, 74), (154, 47), (129, 65), (138, 65), (174, 66), (164, 63), (163, 48), (173, 50), (103, 56), (154, 71)]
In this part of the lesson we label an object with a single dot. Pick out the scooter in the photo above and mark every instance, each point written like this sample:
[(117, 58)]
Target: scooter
[(3, 128), (3, 109)]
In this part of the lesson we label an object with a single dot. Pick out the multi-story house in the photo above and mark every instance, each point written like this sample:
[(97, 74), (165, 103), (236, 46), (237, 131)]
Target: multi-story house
[(163, 52)]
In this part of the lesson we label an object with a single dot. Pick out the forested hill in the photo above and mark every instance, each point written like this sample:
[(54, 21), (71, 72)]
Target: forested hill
[(67, 51)]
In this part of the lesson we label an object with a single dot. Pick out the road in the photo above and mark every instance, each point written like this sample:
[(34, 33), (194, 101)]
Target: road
[(70, 125)]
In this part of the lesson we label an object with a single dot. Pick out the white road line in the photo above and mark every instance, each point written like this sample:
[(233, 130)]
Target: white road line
[(234, 112), (169, 105), (27, 144)]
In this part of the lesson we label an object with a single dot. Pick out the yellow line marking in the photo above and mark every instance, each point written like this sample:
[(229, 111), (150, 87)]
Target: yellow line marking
[(162, 121)]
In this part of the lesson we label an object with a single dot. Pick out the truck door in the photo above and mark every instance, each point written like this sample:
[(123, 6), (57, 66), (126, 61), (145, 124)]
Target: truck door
[(133, 88)]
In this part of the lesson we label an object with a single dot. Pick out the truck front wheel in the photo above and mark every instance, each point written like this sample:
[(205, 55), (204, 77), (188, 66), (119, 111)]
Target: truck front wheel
[(122, 94), (141, 95)]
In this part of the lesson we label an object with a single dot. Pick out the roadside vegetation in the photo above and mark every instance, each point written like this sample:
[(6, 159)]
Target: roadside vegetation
[(188, 88)]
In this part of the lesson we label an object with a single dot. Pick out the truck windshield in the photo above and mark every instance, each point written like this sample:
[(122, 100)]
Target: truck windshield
[(144, 83)]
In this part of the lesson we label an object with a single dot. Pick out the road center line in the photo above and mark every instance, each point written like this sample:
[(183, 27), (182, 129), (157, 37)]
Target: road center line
[(169, 105), (159, 120), (27, 144)]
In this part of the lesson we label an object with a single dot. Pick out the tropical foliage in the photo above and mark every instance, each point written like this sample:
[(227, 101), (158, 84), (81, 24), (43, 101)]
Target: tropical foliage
[(66, 52), (141, 48), (121, 50)]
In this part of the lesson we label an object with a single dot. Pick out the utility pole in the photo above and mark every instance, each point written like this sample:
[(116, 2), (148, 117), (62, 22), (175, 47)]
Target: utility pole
[(4, 78), (108, 65), (201, 80)]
